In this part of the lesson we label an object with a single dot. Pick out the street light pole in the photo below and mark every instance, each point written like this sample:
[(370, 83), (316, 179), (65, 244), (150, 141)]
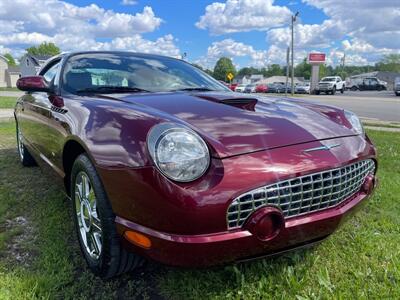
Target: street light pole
[(292, 27)]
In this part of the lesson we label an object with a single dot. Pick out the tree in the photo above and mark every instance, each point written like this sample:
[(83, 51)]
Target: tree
[(274, 70), (10, 59), (390, 62), (303, 69), (44, 49), (223, 66)]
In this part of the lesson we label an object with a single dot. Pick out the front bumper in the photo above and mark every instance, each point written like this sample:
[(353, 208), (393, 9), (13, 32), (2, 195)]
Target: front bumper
[(224, 247), (324, 88)]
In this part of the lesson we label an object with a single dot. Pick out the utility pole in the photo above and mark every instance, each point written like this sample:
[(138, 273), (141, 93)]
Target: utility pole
[(293, 20), (287, 69)]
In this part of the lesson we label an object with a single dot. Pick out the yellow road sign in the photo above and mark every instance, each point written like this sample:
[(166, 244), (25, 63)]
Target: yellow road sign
[(229, 76)]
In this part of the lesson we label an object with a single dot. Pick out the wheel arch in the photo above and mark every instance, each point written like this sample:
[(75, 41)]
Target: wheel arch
[(71, 150)]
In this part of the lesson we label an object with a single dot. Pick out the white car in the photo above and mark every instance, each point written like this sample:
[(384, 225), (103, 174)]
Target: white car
[(302, 88), (330, 84), (397, 86), (240, 88)]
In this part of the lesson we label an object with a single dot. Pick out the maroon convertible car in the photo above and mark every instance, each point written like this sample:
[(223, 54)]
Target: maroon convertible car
[(161, 161)]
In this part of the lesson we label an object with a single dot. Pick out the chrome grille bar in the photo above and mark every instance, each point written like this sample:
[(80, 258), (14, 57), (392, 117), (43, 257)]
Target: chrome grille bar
[(302, 195)]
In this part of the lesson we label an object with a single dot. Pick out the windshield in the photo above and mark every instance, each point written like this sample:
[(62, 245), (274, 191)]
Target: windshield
[(325, 79), (128, 72)]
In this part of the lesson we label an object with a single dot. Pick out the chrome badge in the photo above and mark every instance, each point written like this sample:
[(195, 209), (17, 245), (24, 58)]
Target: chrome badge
[(324, 147)]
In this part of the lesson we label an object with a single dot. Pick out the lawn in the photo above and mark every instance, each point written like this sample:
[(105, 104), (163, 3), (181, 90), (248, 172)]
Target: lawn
[(7, 102), (39, 256)]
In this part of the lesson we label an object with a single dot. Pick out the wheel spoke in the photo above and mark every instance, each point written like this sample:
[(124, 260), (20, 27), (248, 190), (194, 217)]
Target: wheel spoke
[(96, 243)]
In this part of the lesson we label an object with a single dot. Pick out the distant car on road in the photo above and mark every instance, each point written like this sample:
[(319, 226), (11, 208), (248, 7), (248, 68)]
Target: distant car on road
[(330, 84), (233, 86), (250, 88), (397, 86), (240, 88), (302, 88), (261, 88), (370, 84)]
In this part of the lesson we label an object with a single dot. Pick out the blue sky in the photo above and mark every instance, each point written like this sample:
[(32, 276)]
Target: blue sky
[(251, 32)]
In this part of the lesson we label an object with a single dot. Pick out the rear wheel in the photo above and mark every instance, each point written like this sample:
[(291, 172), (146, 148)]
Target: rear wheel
[(25, 157), (94, 223)]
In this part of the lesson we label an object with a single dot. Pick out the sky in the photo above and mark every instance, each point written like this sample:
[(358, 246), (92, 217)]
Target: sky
[(251, 32)]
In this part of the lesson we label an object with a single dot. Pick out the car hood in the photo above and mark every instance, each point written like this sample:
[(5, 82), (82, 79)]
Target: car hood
[(235, 124)]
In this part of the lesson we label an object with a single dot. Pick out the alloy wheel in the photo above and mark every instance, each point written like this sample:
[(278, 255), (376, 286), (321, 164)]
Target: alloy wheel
[(89, 224), (20, 144)]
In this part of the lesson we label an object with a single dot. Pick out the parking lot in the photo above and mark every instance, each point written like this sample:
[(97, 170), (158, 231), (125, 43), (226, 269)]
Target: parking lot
[(383, 105)]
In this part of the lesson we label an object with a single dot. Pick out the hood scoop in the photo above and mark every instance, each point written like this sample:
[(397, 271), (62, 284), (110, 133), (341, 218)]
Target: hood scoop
[(238, 102)]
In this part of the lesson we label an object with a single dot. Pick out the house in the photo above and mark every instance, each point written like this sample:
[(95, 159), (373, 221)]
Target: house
[(241, 79), (8, 74), (256, 78), (31, 64)]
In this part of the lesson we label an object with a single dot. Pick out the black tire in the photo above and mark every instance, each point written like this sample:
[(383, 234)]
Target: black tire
[(316, 92), (113, 259), (25, 157), (342, 90), (333, 92), (354, 88), (397, 94)]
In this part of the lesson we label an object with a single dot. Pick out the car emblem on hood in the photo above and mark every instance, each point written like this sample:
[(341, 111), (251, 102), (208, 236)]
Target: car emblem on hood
[(324, 147)]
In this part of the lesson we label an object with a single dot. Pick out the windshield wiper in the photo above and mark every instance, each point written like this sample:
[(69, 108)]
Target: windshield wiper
[(199, 88), (112, 89)]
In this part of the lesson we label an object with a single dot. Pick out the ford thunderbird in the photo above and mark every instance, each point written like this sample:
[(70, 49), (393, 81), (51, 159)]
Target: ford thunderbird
[(161, 161)]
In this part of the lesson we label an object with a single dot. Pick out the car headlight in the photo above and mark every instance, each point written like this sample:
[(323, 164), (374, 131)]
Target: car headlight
[(354, 121), (178, 152)]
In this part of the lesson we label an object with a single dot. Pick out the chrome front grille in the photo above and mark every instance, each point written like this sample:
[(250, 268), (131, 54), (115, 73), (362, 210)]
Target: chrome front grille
[(302, 195)]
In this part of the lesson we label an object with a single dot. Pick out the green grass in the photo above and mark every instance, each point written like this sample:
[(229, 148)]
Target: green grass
[(361, 260), (7, 102)]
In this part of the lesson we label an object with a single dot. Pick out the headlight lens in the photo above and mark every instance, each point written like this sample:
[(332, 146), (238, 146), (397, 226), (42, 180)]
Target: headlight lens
[(178, 152), (354, 121)]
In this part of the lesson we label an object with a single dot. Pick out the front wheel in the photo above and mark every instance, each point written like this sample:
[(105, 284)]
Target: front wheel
[(25, 157), (94, 223), (333, 92), (342, 90)]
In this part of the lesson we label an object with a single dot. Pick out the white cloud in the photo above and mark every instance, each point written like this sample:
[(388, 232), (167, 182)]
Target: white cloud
[(243, 15), (72, 27), (308, 35), (129, 2), (258, 58), (375, 22)]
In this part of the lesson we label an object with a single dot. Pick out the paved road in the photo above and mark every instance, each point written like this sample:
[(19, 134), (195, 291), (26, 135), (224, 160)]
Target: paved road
[(384, 106), (11, 93)]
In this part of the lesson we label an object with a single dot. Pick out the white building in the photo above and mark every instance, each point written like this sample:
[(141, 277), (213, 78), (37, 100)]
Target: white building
[(8, 74), (31, 64)]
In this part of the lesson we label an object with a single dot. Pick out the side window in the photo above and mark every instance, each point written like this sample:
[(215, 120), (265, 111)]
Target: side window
[(51, 73)]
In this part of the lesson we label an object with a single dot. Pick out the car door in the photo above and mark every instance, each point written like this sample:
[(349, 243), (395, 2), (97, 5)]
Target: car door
[(36, 114)]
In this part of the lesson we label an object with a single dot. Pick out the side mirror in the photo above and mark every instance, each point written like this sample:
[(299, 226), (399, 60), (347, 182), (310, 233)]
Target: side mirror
[(33, 84)]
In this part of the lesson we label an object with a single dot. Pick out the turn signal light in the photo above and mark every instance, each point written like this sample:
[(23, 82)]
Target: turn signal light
[(138, 239)]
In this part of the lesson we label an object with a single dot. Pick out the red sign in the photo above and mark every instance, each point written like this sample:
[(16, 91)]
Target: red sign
[(316, 58)]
